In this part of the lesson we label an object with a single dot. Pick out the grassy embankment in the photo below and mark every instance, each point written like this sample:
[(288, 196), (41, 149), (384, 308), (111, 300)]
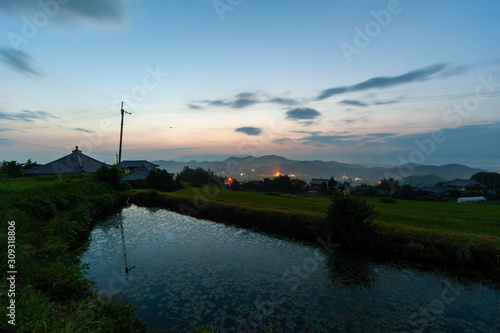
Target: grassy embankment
[(52, 216), (440, 232)]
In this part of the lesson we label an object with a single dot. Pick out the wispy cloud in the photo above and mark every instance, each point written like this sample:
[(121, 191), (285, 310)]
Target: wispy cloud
[(93, 11), (246, 99), (27, 116), (352, 102), (302, 114), (283, 101), (390, 81), (235, 104), (282, 141), (194, 107), (253, 131), (18, 61), (83, 130)]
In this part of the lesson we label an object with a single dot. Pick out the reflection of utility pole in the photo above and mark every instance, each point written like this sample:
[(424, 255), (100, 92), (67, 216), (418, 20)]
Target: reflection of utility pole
[(121, 134), (124, 250)]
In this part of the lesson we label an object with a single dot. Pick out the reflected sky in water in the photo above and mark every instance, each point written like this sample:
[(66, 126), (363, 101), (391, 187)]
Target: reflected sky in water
[(184, 272)]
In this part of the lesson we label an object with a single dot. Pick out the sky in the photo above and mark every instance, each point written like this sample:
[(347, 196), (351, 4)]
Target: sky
[(369, 82)]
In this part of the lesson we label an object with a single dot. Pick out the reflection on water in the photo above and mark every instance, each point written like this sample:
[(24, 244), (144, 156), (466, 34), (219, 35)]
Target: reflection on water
[(188, 272)]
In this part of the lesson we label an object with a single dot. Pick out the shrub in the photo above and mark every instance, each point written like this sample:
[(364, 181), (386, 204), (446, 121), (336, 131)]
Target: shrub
[(350, 219), (38, 207), (111, 175), (160, 180)]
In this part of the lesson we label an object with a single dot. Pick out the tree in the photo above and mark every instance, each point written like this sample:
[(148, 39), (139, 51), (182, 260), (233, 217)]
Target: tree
[(407, 192), (324, 187), (235, 185), (160, 180), (29, 165), (389, 185), (282, 184), (12, 169), (332, 183), (111, 176), (490, 179), (350, 219)]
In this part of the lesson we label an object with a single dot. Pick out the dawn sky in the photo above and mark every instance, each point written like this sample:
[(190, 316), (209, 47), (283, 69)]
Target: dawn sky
[(354, 81)]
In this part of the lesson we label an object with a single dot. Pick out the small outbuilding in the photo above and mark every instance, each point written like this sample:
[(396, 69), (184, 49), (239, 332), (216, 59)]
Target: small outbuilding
[(470, 199), (136, 170)]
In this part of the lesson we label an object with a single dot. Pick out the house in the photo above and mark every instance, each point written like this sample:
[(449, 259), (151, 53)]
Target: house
[(468, 185), (432, 191), (135, 170), (315, 184), (76, 162), (129, 166)]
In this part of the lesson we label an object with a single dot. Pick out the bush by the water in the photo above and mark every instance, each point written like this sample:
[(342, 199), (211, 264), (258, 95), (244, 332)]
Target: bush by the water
[(161, 180), (112, 176), (350, 220)]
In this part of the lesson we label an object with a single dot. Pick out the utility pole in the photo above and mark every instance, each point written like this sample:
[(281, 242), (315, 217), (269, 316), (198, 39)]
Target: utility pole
[(121, 134)]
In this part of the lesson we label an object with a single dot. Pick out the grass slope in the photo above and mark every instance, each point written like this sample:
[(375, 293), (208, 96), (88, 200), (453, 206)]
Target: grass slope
[(52, 216)]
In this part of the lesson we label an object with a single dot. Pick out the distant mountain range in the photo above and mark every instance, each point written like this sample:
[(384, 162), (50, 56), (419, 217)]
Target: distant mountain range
[(249, 167)]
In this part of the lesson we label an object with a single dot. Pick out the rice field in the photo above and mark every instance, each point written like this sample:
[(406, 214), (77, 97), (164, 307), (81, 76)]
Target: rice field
[(467, 218)]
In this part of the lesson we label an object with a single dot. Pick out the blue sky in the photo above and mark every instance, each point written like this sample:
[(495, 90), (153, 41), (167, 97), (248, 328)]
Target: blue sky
[(362, 82)]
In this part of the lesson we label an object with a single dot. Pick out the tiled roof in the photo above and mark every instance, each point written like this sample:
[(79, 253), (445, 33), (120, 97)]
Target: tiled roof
[(316, 181), (465, 183), (76, 162), (140, 173), (136, 164)]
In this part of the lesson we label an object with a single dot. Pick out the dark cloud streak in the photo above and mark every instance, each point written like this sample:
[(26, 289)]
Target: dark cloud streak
[(96, 11), (253, 131), (390, 81), (27, 116), (302, 114), (18, 61)]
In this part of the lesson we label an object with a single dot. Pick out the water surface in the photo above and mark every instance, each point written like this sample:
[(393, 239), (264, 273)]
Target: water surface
[(181, 272)]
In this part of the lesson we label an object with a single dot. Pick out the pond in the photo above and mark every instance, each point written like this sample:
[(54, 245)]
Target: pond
[(181, 272)]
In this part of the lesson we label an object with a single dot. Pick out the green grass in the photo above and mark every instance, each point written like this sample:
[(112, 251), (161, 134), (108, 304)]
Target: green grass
[(263, 200), (52, 216), (474, 219)]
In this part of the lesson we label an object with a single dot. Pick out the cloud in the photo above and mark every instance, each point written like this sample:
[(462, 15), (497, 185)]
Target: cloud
[(335, 140), (302, 114), (83, 130), (194, 107), (235, 104), (242, 103), (355, 120), (342, 140), (381, 135), (245, 95), (381, 82), (283, 101), (385, 102), (282, 141), (249, 130), (18, 61), (26, 116), (94, 11), (353, 102)]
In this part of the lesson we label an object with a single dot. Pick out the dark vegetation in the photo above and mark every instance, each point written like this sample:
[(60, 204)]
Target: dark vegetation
[(53, 215), (350, 220), (13, 169)]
